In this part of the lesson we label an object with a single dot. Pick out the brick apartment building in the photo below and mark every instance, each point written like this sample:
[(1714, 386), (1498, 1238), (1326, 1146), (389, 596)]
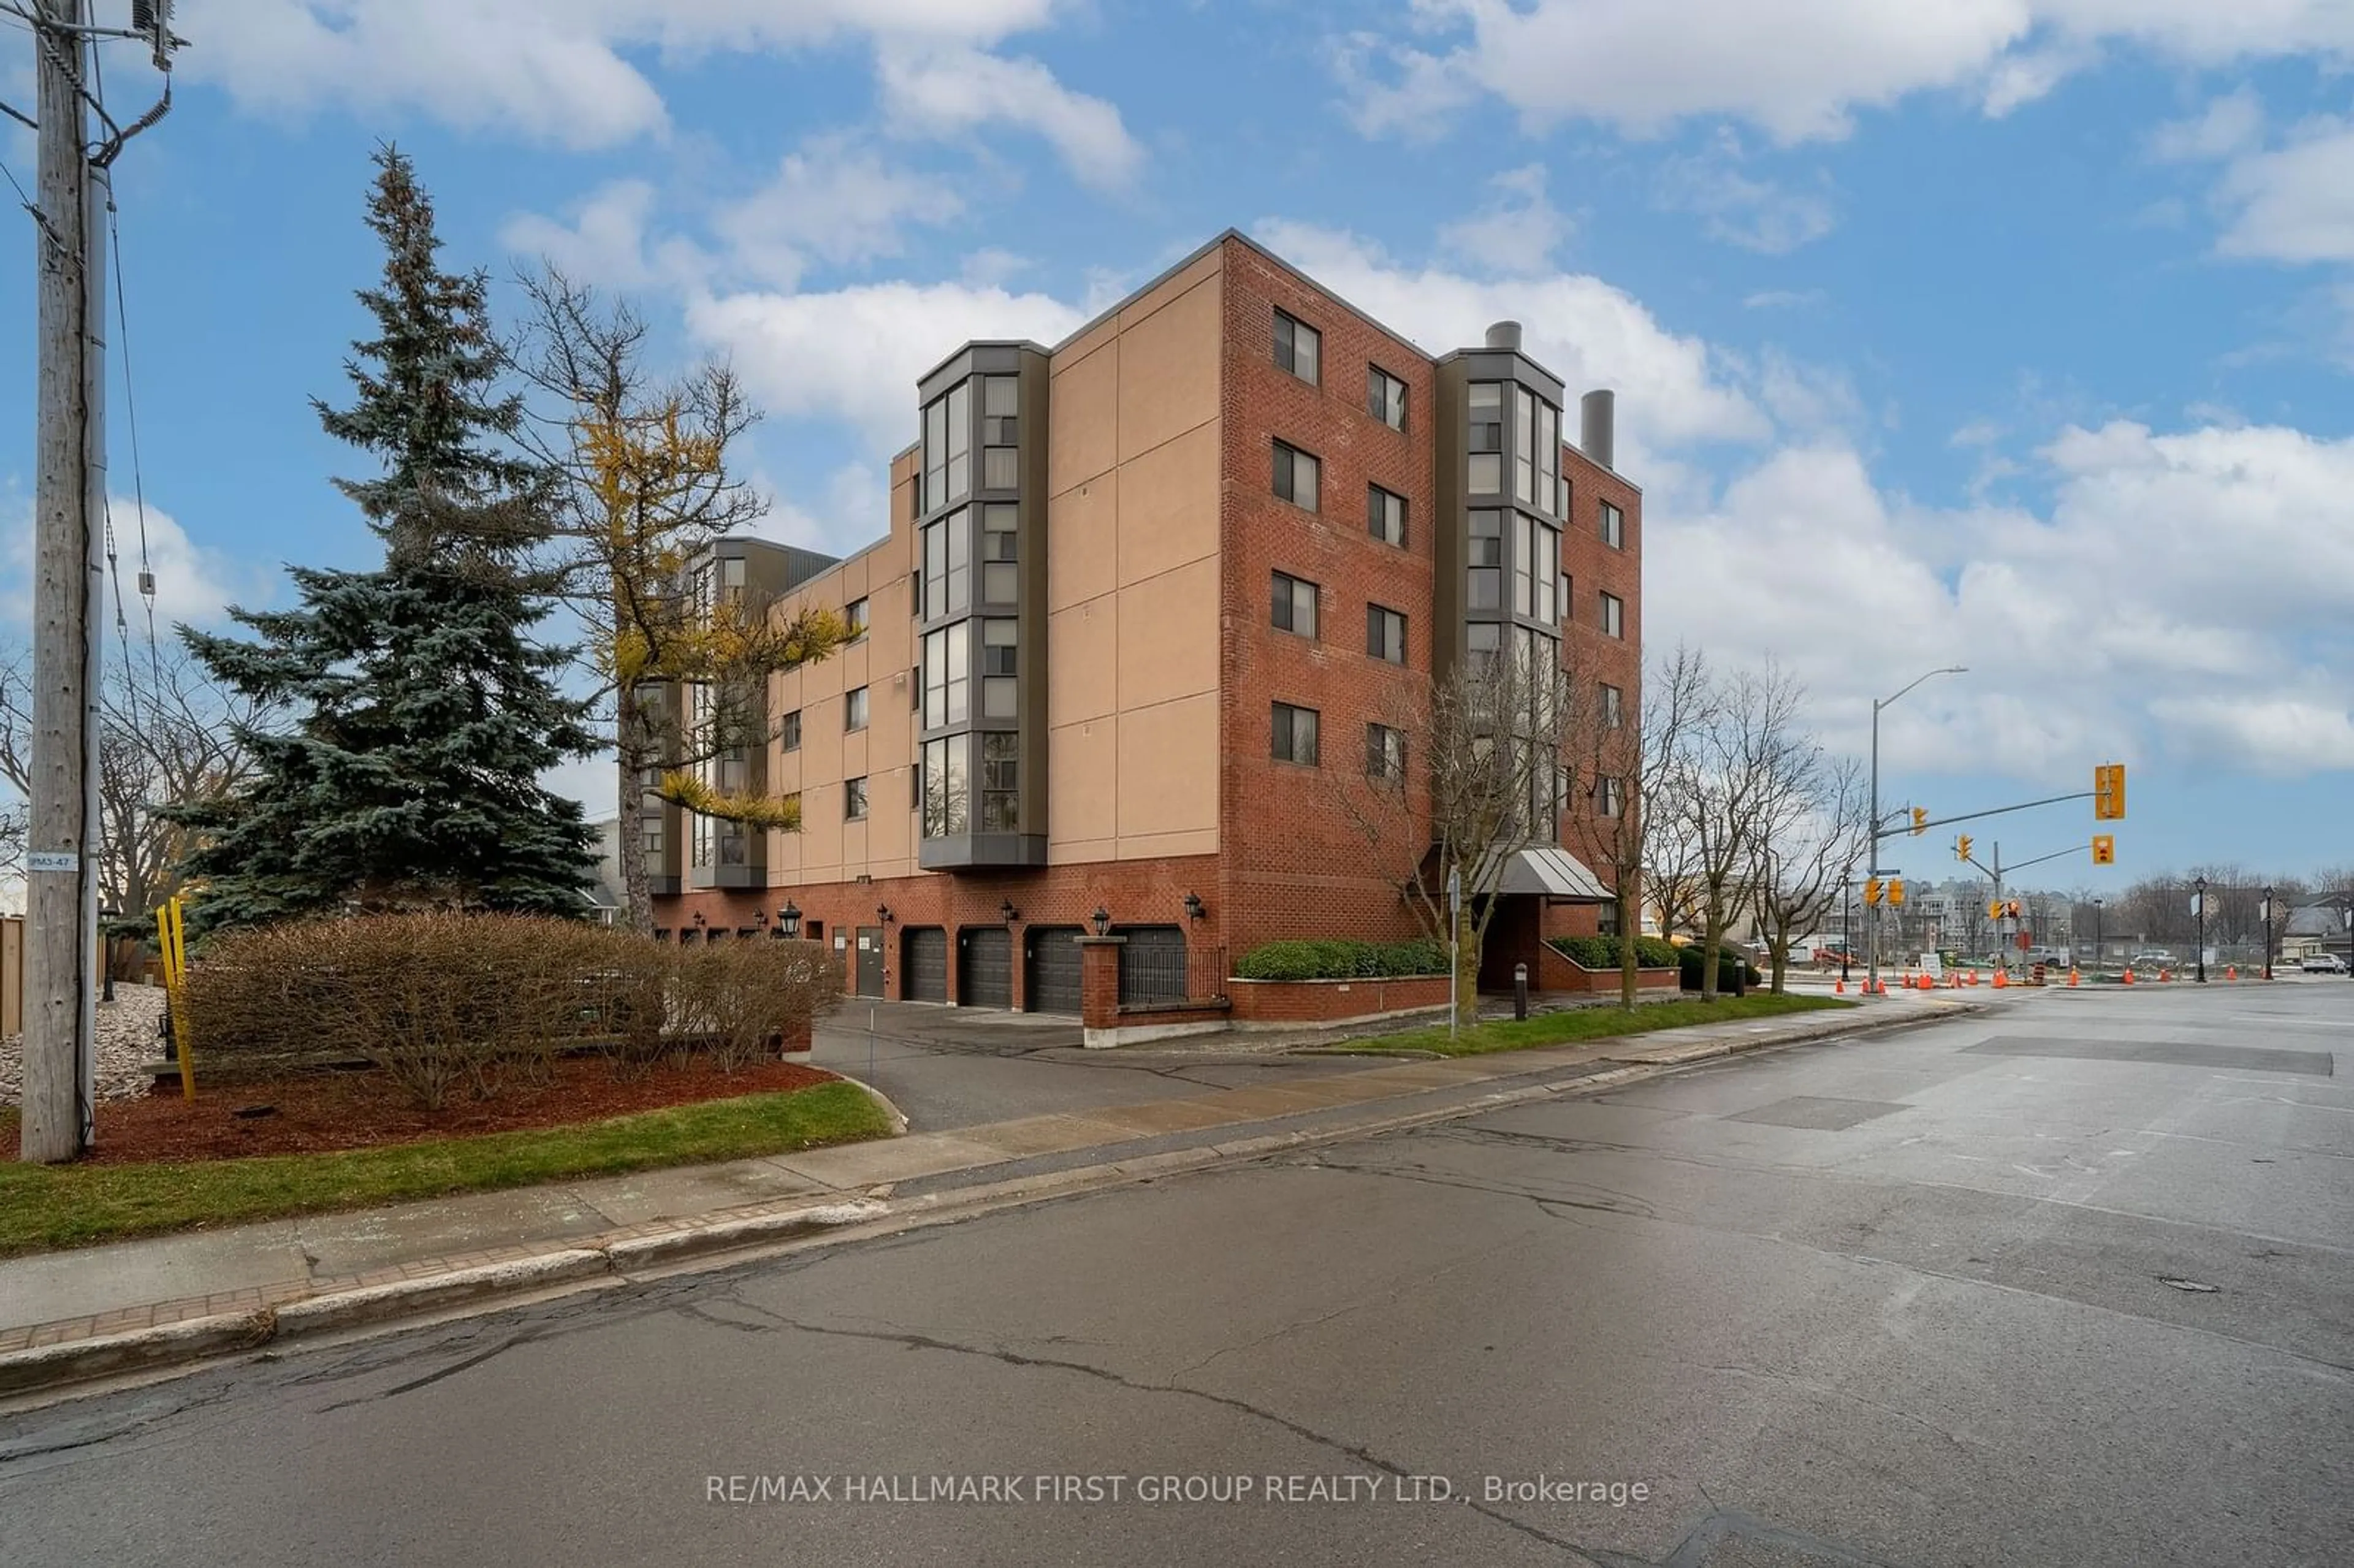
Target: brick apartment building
[(1138, 593)]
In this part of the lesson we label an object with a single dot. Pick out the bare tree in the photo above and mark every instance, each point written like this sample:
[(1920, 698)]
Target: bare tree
[(1474, 773), (682, 664), (1813, 834), (1723, 790), (168, 736)]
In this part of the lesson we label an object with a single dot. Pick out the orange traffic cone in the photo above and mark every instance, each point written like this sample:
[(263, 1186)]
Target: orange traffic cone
[(2072, 978), (1839, 987), (2001, 979), (2231, 972), (2130, 979), (1953, 982), (2164, 975)]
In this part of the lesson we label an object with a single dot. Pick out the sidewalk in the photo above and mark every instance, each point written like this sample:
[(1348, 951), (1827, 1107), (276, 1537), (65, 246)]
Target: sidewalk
[(67, 1316)]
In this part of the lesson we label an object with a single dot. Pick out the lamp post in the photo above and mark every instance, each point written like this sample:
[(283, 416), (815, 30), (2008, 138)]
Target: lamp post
[(1871, 955), (2264, 913), (2199, 908)]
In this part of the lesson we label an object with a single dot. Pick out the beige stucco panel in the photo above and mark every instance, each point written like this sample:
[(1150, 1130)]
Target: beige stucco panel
[(1082, 418), (1169, 637), (1169, 370), (1168, 504), (1082, 782), (1157, 846), (1083, 662), (1169, 768), (1205, 266), (1082, 543)]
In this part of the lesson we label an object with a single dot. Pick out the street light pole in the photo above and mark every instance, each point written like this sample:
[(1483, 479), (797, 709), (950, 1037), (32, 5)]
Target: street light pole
[(2199, 908), (1871, 970), (2099, 953), (2265, 910)]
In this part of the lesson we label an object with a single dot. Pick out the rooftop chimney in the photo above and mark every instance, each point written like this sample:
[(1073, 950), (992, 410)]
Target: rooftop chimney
[(1596, 417), (1505, 334)]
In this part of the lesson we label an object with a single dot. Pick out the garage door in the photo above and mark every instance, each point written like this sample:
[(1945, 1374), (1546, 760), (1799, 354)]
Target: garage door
[(985, 967), (1152, 964), (1051, 958), (925, 961)]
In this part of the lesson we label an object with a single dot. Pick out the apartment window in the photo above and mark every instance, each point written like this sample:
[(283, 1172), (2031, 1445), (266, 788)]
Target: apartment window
[(1613, 707), (1385, 515), (790, 732), (1384, 753), (1296, 475), (1614, 526), (1567, 614), (855, 616), (1299, 347), (1549, 457), (1614, 613), (653, 835), (1001, 782), (853, 709), (943, 804), (1609, 799), (1385, 396), (998, 668), (1385, 634), (1486, 586), (853, 800), (1536, 568), (999, 583), (1295, 605), (1000, 401), (959, 402), (1524, 446), (947, 676), (947, 567), (1483, 639), (1295, 734)]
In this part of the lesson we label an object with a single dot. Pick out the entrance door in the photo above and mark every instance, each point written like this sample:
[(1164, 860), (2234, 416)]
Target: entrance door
[(924, 959), (985, 967), (1051, 966), (867, 973)]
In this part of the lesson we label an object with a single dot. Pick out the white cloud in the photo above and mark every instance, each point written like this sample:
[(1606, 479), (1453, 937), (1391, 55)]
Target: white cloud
[(1799, 71), (832, 200), (1782, 299), (1754, 213), (948, 92), (1515, 232), (2285, 736), (194, 583), (606, 242), (2232, 124), (2295, 203), (855, 352)]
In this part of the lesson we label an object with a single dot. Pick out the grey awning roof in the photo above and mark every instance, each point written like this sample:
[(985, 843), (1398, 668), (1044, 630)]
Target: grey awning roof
[(1549, 873)]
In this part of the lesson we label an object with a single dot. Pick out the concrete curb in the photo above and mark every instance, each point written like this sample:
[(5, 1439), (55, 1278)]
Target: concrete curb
[(881, 1101), (60, 1366)]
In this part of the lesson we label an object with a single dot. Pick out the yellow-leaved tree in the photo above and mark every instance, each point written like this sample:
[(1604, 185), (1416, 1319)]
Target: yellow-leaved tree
[(644, 465)]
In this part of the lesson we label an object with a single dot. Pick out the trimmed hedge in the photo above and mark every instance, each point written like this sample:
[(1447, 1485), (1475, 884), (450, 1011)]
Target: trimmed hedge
[(1302, 961), (1603, 952), (1734, 972)]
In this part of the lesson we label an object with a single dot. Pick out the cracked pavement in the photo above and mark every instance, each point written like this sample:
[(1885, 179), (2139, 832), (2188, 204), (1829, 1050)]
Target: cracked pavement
[(1936, 1336)]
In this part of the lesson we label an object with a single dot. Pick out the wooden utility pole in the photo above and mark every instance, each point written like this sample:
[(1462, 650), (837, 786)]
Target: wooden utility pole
[(69, 485)]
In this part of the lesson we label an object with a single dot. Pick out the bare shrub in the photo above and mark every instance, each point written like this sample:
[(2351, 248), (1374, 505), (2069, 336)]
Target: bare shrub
[(743, 999)]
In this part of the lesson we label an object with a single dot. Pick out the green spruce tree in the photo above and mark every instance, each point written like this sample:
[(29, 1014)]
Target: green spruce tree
[(423, 713)]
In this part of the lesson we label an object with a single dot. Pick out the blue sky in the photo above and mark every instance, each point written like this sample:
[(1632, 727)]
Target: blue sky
[(2013, 334)]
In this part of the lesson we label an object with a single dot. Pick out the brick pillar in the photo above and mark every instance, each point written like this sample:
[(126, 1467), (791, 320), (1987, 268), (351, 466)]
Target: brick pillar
[(1100, 982)]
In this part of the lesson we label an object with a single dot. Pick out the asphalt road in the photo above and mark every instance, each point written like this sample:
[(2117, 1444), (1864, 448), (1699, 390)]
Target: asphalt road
[(2071, 1283)]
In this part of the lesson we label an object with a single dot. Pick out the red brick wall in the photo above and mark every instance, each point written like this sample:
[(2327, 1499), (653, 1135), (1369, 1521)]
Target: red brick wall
[(1295, 865), (1328, 1002), (1554, 972), (1594, 568)]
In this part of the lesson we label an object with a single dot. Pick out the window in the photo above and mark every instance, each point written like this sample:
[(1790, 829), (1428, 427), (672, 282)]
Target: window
[(1384, 753), (1482, 640), (1524, 447), (1295, 734), (959, 402), (1000, 401), (853, 709), (1486, 476), (1549, 457), (1297, 346), (943, 804), (1614, 612), (1384, 516), (1609, 799), (1614, 526), (1001, 782), (999, 583), (947, 676), (1295, 476), (1295, 605), (1614, 705), (853, 800), (1385, 634), (1567, 614), (1000, 469), (789, 731), (857, 618), (1486, 586), (947, 567), (998, 668), (1536, 568), (947, 448), (1385, 396)]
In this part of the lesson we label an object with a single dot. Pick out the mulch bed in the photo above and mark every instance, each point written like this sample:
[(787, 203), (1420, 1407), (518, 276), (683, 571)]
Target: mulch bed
[(314, 1112)]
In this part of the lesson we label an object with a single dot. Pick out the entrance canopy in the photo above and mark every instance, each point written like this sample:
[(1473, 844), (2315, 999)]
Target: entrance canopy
[(1551, 873)]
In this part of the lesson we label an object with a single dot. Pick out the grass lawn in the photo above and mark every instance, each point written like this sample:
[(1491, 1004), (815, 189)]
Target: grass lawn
[(46, 1206), (1585, 1024)]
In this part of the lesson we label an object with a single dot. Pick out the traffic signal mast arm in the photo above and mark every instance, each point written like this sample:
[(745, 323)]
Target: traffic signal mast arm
[(1990, 812)]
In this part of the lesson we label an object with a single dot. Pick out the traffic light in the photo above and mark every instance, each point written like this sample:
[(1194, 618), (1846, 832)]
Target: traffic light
[(2105, 849), (2013, 909), (1962, 847), (1920, 821), (1872, 890), (1895, 891), (2109, 792)]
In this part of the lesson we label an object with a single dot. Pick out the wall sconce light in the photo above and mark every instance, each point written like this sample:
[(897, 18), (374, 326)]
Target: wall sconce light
[(1102, 919), (789, 919), (698, 917), (1194, 910), (1006, 912), (882, 912), (759, 917)]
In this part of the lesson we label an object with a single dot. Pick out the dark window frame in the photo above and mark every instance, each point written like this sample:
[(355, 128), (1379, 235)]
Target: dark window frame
[(789, 730), (1377, 514), (1284, 739), (1378, 383), (855, 802), (1284, 479), (1283, 605), (1287, 347), (1381, 620)]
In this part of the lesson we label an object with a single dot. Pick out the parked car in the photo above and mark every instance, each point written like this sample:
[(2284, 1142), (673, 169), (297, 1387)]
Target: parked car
[(2152, 959), (2322, 964)]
